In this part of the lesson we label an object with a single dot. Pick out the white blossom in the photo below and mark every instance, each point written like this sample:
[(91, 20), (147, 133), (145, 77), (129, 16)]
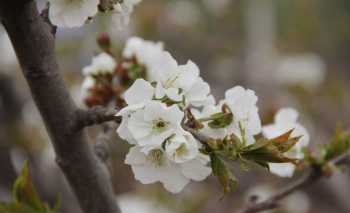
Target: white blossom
[(246, 121), (139, 93), (121, 13), (181, 148), (101, 64), (147, 53), (285, 120), (155, 123), (180, 82), (306, 69), (154, 166), (71, 13)]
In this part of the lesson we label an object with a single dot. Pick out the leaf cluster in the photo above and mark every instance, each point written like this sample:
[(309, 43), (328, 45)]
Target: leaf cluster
[(231, 149)]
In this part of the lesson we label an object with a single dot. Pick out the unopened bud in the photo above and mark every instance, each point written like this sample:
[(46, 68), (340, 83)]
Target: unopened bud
[(104, 42)]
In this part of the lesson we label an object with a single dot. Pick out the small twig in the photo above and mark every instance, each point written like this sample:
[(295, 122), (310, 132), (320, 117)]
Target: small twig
[(311, 177), (97, 115)]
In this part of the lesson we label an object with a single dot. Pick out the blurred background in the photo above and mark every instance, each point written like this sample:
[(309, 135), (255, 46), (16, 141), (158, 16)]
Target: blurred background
[(291, 52)]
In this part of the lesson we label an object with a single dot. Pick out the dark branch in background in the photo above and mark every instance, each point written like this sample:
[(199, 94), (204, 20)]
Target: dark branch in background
[(311, 177), (33, 42)]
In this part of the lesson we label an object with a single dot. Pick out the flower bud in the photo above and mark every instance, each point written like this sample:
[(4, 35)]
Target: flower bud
[(104, 41)]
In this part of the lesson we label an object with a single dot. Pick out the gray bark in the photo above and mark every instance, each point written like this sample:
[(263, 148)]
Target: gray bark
[(33, 42)]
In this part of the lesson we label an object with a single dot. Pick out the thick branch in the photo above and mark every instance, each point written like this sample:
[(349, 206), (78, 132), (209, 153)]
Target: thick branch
[(311, 177), (34, 46)]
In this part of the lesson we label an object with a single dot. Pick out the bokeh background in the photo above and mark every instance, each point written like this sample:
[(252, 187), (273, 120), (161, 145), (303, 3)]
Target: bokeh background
[(291, 52)]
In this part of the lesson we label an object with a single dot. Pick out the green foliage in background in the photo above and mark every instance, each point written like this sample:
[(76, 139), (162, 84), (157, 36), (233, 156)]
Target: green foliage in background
[(25, 197)]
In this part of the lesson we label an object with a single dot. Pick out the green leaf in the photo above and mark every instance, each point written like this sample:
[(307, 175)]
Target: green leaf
[(284, 142), (228, 181), (263, 164), (25, 197), (338, 146), (266, 151), (288, 144), (24, 191), (220, 120)]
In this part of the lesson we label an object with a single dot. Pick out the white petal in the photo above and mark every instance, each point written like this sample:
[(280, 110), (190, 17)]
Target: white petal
[(286, 115), (140, 91), (282, 169), (175, 115), (195, 170), (155, 139), (130, 109), (123, 131), (72, 13), (160, 91), (173, 94), (147, 53), (188, 146), (138, 127), (238, 94), (173, 180), (143, 171), (198, 93), (155, 110), (135, 156), (189, 74)]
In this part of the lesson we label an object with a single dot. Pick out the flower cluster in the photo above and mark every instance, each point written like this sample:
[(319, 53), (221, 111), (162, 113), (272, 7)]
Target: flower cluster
[(163, 102), (75, 13), (96, 88), (152, 120)]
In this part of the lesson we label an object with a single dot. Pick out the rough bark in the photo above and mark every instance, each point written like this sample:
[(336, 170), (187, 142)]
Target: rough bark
[(33, 42)]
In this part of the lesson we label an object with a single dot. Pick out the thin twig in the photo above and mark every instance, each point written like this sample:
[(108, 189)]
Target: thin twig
[(97, 115), (311, 177)]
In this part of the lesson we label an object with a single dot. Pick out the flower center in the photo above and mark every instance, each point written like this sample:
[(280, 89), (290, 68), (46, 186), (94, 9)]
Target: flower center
[(156, 157), (170, 82), (159, 125), (182, 150)]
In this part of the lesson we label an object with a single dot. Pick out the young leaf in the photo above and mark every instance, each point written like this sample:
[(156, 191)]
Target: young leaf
[(227, 179), (25, 197), (24, 191), (339, 145), (268, 154), (288, 144), (220, 120)]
